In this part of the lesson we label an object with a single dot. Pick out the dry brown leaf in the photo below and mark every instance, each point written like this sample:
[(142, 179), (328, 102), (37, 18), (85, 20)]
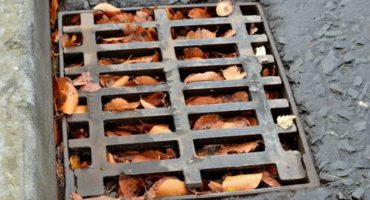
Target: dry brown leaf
[(54, 4), (159, 129), (156, 99), (200, 33), (245, 147), (83, 79), (241, 182), (202, 100), (197, 13), (143, 156), (215, 187), (75, 162), (269, 180), (75, 196), (120, 104), (253, 29), (194, 53), (174, 16), (130, 186), (206, 121), (70, 41), (110, 158), (66, 95), (267, 71), (145, 80), (146, 105), (229, 33), (120, 82), (224, 8), (106, 7), (90, 87), (233, 73), (240, 96), (118, 132), (81, 109), (206, 76), (168, 186)]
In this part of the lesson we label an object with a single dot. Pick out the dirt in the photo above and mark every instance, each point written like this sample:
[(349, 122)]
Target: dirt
[(325, 49)]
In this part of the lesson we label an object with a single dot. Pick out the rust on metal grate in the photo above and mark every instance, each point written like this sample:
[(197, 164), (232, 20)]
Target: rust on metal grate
[(269, 97)]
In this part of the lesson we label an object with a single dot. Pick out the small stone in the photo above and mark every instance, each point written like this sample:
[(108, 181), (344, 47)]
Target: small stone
[(360, 126), (327, 177), (330, 63), (345, 114), (348, 57), (357, 81), (336, 88), (341, 196), (339, 44), (358, 193), (353, 93), (347, 181)]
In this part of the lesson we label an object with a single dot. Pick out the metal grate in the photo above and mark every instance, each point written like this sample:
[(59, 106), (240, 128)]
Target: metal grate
[(294, 167)]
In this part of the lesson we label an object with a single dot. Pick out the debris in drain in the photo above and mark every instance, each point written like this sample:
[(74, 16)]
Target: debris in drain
[(130, 33), (84, 82), (214, 121), (105, 13), (196, 53), (65, 95), (200, 33), (130, 59), (269, 71), (154, 100), (134, 129), (224, 149), (71, 40), (230, 73), (253, 29), (76, 163), (285, 121), (140, 156), (224, 8), (117, 81), (240, 96)]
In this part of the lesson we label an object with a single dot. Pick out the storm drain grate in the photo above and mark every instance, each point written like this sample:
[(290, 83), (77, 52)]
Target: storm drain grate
[(294, 167)]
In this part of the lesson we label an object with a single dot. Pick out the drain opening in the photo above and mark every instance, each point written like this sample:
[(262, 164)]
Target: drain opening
[(178, 110)]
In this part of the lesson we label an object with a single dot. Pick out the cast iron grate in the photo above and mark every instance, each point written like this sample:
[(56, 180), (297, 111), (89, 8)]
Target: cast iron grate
[(295, 168)]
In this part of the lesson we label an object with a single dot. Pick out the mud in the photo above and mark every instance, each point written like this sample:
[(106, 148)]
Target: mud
[(325, 47)]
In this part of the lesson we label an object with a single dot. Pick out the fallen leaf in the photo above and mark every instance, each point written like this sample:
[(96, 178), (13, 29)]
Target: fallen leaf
[(54, 4), (245, 147), (272, 94), (229, 33), (112, 133), (83, 79), (197, 13), (241, 182), (81, 109), (285, 121), (159, 129), (168, 186), (174, 15), (146, 105), (200, 33), (260, 51), (110, 158), (145, 80), (194, 53), (156, 99), (120, 104), (206, 76), (240, 96), (206, 121), (267, 71), (253, 29), (269, 180), (224, 8), (143, 156), (130, 187), (78, 133), (106, 7), (233, 73), (202, 100), (70, 41), (144, 15), (66, 95), (215, 187), (75, 162), (90, 87), (120, 82), (75, 196)]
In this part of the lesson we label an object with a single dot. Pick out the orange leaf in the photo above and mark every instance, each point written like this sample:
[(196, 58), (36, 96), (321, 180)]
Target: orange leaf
[(233, 73), (66, 95), (83, 79), (120, 104), (130, 186), (70, 41), (245, 147), (145, 80), (159, 129), (206, 76), (240, 96), (174, 16), (215, 187), (155, 99), (194, 53), (200, 33), (168, 186), (146, 105), (202, 100), (106, 7), (269, 180), (54, 4), (81, 109), (241, 182), (229, 33), (206, 121), (120, 82), (75, 162), (197, 13)]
